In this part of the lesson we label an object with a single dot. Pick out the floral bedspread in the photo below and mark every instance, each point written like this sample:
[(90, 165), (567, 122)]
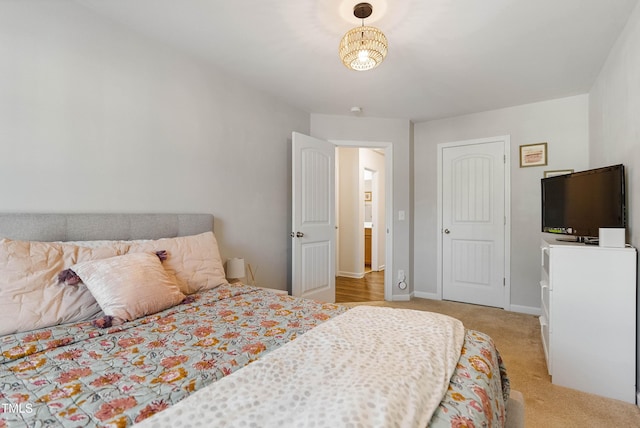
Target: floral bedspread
[(478, 390), (77, 375)]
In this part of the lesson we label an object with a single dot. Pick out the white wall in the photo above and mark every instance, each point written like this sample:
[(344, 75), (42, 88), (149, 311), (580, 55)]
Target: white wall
[(614, 116), (561, 123), (398, 132), (614, 122), (95, 118)]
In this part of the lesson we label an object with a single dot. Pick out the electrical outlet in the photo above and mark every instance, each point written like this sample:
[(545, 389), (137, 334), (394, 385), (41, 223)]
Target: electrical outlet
[(402, 284)]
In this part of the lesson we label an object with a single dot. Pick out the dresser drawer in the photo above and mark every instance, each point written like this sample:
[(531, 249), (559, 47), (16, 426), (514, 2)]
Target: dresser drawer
[(544, 330), (544, 298)]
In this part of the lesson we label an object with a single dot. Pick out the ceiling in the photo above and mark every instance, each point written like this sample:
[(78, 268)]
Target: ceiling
[(446, 57)]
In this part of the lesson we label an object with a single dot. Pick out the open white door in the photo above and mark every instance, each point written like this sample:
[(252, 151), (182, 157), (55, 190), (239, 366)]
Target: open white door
[(313, 218)]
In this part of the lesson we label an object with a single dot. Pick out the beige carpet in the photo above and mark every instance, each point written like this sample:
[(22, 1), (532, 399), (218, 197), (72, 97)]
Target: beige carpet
[(517, 337)]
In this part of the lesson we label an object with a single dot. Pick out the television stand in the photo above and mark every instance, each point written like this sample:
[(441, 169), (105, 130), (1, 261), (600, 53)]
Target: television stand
[(588, 318)]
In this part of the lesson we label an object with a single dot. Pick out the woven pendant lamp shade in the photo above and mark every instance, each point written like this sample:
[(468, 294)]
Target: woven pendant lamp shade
[(363, 48)]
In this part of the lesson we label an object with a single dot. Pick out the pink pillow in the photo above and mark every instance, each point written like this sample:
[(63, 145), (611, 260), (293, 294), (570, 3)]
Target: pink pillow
[(129, 286), (194, 260)]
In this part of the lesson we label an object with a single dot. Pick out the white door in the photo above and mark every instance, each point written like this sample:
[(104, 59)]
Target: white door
[(473, 223), (313, 214)]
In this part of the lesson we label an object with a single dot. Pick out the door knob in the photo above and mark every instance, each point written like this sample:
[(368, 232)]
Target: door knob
[(447, 231), (299, 234)]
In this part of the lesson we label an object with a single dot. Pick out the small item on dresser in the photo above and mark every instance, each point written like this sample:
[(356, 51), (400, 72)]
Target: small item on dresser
[(612, 237)]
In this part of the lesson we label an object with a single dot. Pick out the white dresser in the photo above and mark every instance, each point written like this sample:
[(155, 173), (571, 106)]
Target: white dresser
[(588, 317)]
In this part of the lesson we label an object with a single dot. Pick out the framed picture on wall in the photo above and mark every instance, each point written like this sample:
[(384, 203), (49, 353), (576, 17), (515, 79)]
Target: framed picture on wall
[(367, 196), (557, 172), (533, 155)]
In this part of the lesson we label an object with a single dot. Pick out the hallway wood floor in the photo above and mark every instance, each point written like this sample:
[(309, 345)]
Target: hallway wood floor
[(367, 289)]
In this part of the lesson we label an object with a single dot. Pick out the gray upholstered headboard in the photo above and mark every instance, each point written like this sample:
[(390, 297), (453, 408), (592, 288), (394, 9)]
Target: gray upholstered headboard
[(88, 227)]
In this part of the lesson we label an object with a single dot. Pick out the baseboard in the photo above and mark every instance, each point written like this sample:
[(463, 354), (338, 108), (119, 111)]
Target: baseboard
[(356, 275), (427, 295), (514, 308), (531, 310), (402, 297), (381, 267), (638, 398)]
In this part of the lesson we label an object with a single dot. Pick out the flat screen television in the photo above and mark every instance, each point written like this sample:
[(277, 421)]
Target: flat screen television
[(580, 203)]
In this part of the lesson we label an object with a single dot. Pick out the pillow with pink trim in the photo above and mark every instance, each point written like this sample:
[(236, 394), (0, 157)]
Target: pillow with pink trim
[(129, 286)]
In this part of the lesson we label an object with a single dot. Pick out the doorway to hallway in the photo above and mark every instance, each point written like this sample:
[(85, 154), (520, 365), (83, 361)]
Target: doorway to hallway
[(361, 231), (369, 288)]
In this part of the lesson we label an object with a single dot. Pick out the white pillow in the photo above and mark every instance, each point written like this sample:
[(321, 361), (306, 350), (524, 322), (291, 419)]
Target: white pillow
[(129, 286)]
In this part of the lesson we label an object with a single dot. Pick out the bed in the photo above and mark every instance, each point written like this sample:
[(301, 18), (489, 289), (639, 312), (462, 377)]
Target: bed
[(215, 355)]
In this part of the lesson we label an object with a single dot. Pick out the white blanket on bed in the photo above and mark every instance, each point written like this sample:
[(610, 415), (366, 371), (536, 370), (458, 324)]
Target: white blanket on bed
[(370, 366)]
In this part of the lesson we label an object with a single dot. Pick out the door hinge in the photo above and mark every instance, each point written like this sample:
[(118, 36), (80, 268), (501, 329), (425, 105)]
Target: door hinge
[(504, 158), (504, 282)]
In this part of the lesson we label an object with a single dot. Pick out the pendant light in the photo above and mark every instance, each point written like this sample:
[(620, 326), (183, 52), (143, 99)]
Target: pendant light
[(363, 48)]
